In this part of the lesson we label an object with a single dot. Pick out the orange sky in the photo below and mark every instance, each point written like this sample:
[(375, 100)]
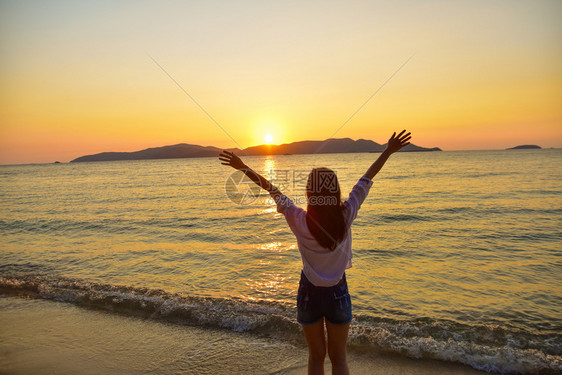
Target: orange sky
[(76, 77)]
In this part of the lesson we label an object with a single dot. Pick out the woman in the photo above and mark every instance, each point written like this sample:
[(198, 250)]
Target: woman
[(324, 240)]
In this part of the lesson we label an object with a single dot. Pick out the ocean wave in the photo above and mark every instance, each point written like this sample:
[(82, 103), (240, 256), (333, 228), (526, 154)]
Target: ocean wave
[(403, 217), (105, 225), (162, 229), (488, 348)]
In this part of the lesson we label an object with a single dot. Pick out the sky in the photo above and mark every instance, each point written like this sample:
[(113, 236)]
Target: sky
[(82, 77)]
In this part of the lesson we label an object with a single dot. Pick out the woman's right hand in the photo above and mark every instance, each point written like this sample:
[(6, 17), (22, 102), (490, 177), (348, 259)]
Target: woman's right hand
[(396, 142)]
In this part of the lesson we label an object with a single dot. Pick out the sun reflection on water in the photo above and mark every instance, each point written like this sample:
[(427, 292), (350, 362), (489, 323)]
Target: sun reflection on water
[(269, 284), (269, 210), (272, 246), (269, 164)]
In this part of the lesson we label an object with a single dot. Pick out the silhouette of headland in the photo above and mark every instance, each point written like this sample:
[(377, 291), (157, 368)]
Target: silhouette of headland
[(184, 150), (525, 147)]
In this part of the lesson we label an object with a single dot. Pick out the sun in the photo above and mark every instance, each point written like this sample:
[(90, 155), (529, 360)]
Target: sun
[(268, 138)]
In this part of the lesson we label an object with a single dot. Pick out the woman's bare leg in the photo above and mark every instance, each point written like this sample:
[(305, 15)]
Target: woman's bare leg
[(316, 341), (337, 347)]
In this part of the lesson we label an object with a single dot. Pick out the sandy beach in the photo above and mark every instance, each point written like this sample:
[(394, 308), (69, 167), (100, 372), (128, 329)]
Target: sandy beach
[(39, 336)]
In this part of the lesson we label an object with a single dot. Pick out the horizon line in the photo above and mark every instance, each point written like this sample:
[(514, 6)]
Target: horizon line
[(331, 153)]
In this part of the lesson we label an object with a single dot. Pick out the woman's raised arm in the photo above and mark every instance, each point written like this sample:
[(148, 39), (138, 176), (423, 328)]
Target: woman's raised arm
[(228, 158)]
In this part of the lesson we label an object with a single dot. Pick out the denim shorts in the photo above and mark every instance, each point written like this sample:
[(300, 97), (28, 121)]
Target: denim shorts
[(315, 302)]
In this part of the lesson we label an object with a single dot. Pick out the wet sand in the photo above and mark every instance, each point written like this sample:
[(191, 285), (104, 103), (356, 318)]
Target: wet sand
[(39, 336)]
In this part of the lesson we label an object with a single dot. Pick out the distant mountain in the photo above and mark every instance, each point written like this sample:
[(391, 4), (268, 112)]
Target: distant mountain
[(184, 150), (328, 146), (525, 147)]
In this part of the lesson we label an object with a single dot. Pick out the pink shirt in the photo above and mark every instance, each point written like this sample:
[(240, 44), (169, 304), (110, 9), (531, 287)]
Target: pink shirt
[(320, 265)]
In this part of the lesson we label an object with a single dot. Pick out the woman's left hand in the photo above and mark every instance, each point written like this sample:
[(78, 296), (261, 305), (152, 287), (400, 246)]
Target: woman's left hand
[(396, 142)]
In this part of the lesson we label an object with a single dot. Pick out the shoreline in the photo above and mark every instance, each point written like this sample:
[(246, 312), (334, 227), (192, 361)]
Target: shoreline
[(48, 336)]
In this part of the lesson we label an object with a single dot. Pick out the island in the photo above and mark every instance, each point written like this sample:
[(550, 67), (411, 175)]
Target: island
[(525, 147), (184, 150)]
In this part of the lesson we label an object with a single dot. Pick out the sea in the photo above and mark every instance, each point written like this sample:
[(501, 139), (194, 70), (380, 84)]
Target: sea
[(457, 255)]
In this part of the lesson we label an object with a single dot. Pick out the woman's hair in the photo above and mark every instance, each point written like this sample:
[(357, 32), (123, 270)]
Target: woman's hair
[(324, 216)]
